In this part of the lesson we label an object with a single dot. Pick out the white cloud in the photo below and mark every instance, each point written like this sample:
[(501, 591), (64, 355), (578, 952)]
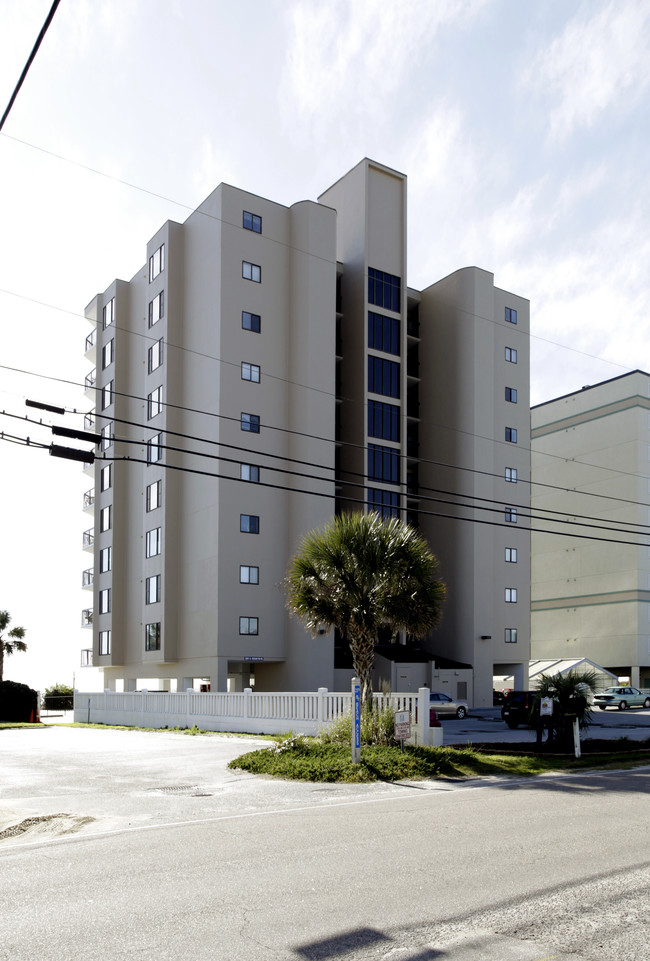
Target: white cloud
[(341, 53), (599, 61)]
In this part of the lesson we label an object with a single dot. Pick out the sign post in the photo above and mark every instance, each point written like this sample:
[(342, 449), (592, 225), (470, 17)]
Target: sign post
[(402, 727), (356, 720)]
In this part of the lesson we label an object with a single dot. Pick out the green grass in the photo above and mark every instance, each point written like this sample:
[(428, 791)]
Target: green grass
[(308, 759)]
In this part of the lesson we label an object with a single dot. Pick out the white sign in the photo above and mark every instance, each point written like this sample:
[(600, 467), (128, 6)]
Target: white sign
[(546, 706), (402, 725)]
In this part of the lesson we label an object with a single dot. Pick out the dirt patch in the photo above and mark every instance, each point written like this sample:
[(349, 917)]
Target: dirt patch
[(52, 824)]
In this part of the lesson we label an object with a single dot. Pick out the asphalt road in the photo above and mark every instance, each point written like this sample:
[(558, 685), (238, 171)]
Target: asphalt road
[(152, 849)]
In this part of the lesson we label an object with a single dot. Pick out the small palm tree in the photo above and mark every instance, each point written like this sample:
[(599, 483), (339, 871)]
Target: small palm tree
[(364, 574), (569, 692), (11, 641)]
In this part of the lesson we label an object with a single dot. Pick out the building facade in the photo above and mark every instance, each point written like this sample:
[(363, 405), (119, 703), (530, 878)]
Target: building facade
[(590, 577), (267, 367)]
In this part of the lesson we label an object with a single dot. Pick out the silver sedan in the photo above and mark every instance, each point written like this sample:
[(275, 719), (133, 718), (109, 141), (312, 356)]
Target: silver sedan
[(443, 704)]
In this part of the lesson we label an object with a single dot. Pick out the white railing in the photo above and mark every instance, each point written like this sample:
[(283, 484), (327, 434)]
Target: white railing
[(244, 712)]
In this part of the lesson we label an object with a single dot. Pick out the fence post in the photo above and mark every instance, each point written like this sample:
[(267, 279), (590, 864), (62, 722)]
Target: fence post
[(248, 695), (322, 691), (188, 706), (423, 727)]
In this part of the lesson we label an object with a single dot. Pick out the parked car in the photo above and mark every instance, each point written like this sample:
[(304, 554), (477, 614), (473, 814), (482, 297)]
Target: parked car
[(443, 704), (622, 698), (498, 697), (518, 708)]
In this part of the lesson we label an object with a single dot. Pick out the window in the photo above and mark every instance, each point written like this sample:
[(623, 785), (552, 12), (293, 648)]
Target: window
[(383, 377), (154, 449), (250, 422), (106, 518), (383, 464), (249, 575), (107, 395), (511, 395), (510, 635), (104, 642), (383, 333), (157, 263), (154, 403), (511, 315), (250, 372), (249, 472), (511, 435), (157, 308), (511, 475), (511, 515), (511, 595), (108, 313), (511, 355), (105, 601), (251, 272), (511, 555), (384, 289), (154, 495), (249, 625), (153, 542), (152, 637), (155, 356), (383, 420), (106, 478), (249, 523), (107, 437), (105, 560), (251, 321), (152, 589), (385, 503), (252, 222), (108, 353)]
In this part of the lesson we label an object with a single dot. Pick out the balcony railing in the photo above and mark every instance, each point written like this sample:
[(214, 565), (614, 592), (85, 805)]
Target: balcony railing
[(89, 420), (86, 657), (87, 617), (90, 340), (90, 379), (88, 538), (89, 498), (87, 577)]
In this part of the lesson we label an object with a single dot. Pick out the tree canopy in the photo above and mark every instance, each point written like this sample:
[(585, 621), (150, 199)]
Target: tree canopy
[(10, 640), (362, 574)]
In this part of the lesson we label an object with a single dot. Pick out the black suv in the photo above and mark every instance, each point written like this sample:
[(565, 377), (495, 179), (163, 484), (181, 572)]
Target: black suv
[(519, 707)]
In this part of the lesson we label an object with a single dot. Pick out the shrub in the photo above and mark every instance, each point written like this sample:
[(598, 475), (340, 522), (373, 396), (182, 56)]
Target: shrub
[(17, 702), (377, 727), (59, 697)]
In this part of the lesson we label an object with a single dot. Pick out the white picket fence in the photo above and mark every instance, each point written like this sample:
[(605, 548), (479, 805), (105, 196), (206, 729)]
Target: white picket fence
[(245, 712)]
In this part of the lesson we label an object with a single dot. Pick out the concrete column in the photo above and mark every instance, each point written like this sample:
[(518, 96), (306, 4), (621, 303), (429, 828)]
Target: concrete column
[(185, 683), (130, 683), (635, 676)]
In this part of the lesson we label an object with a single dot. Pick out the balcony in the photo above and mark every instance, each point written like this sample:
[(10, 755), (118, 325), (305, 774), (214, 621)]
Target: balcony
[(87, 617), (89, 351), (89, 420), (87, 578), (89, 539), (86, 657), (90, 380), (89, 498)]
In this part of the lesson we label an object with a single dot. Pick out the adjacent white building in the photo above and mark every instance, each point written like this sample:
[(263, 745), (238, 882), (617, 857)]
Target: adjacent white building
[(266, 367), (590, 578)]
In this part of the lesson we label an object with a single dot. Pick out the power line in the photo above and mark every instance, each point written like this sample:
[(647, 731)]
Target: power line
[(348, 444), (30, 59)]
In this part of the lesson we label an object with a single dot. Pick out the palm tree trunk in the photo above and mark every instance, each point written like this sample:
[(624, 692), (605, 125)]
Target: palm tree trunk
[(2, 660), (363, 655)]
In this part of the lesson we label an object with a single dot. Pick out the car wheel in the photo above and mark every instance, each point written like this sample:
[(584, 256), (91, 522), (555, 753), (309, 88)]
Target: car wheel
[(646, 703), (603, 707), (513, 725), (461, 712), (622, 706)]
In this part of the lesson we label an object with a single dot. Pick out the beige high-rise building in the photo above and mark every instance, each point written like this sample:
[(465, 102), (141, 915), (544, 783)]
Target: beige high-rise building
[(266, 367), (590, 579)]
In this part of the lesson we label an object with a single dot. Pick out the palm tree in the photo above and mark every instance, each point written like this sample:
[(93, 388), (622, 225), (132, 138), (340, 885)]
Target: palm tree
[(569, 692), (364, 574), (12, 641)]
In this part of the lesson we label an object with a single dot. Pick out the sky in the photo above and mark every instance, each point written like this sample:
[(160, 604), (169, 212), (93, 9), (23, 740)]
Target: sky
[(522, 125)]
